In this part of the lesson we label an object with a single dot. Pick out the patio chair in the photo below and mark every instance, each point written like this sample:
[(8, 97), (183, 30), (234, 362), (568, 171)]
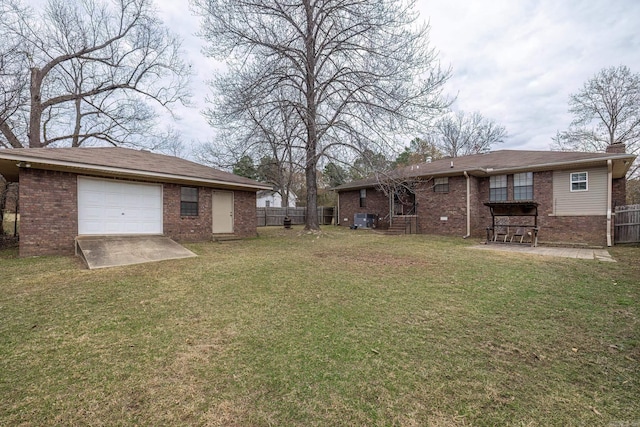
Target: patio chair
[(520, 232), (501, 232)]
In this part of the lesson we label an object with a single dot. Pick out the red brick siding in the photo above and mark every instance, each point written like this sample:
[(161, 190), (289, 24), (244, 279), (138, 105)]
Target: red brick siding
[(553, 229), (376, 203), (245, 219), (186, 228), (432, 207), (48, 212), (619, 193)]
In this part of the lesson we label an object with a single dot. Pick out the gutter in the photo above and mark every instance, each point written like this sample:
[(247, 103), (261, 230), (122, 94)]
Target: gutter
[(482, 171), (466, 175), (609, 198)]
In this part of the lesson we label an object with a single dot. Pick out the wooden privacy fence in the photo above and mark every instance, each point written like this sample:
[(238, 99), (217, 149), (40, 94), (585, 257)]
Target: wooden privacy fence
[(627, 224), (275, 216)]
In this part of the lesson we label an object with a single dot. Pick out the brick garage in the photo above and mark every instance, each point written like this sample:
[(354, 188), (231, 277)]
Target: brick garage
[(49, 200)]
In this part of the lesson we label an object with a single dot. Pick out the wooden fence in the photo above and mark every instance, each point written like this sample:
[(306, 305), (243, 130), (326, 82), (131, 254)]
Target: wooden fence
[(275, 216), (627, 224)]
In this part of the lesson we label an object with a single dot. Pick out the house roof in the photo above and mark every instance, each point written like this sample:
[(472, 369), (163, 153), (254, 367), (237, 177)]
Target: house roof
[(499, 163), (121, 162)]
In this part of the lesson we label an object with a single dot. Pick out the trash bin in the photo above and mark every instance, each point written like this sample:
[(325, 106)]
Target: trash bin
[(287, 222)]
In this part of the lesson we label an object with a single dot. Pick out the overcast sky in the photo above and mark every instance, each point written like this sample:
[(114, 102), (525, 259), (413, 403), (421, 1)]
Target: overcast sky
[(514, 61)]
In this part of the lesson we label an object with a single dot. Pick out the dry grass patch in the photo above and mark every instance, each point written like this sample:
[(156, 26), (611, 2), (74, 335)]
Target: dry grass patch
[(340, 328)]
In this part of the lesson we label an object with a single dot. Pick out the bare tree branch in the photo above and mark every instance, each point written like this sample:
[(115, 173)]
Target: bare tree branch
[(348, 73), (606, 111), (91, 71)]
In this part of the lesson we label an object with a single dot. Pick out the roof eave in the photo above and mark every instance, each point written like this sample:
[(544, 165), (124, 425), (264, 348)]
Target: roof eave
[(478, 171), (564, 164), (61, 164)]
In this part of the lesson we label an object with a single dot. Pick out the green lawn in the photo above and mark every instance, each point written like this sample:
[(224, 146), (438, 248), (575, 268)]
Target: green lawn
[(342, 328)]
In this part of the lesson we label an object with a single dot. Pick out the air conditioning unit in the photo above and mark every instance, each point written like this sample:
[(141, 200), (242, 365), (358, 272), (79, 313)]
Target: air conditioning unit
[(364, 220)]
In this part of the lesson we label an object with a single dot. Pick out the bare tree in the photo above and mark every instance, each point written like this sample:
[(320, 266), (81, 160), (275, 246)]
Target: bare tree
[(462, 134), (606, 111), (269, 132), (92, 67), (354, 73)]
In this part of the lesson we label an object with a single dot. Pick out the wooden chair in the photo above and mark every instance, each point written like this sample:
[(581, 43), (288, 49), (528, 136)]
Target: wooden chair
[(520, 232), (502, 232)]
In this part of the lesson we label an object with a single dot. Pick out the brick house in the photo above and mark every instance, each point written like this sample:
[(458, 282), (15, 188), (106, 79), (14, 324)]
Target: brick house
[(574, 193), (70, 192)]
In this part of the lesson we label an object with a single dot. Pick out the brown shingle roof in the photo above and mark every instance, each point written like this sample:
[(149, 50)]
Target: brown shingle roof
[(126, 162), (500, 162)]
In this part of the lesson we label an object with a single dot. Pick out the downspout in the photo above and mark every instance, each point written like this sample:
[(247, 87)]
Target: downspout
[(391, 207), (609, 197), (466, 175), (337, 212)]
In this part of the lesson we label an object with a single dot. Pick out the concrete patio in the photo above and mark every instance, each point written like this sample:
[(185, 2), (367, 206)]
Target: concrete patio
[(579, 253)]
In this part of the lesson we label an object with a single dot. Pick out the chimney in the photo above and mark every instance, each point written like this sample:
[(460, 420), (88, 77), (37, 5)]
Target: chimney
[(616, 148)]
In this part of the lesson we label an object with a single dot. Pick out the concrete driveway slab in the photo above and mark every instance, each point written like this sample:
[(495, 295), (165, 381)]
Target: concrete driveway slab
[(111, 251)]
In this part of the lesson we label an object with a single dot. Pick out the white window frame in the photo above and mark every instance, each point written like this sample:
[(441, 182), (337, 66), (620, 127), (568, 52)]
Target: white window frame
[(518, 180), (585, 180), (493, 186)]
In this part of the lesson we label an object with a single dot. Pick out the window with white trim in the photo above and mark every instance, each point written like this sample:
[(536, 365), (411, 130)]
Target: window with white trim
[(579, 181), (498, 188), (441, 185), (523, 186)]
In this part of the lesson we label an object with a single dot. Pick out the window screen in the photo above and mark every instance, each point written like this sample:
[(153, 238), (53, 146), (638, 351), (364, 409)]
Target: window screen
[(189, 201), (498, 188), (523, 186), (579, 181), (441, 185)]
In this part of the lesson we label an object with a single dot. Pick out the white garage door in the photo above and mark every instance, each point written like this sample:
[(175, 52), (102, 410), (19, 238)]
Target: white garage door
[(118, 207)]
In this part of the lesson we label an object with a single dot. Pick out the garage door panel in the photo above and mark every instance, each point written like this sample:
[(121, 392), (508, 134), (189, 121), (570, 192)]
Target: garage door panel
[(118, 207)]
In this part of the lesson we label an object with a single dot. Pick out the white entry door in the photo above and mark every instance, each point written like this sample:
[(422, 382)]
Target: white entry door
[(222, 202), (118, 207)]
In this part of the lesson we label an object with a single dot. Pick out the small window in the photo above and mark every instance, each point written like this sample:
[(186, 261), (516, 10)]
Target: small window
[(189, 201), (523, 186), (498, 188), (579, 181), (363, 198), (267, 203), (441, 185)]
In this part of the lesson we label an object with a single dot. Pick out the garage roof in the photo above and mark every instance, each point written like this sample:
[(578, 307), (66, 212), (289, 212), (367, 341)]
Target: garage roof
[(121, 162)]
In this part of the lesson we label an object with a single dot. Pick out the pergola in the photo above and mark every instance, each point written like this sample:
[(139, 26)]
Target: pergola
[(524, 208)]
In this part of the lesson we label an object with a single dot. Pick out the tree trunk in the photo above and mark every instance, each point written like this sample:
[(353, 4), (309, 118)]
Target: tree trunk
[(5, 129), (35, 116), (312, 193), (75, 138), (312, 131)]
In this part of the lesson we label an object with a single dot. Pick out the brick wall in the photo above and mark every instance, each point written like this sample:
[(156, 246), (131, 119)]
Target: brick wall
[(245, 214), (186, 228), (432, 206), (553, 229), (199, 228), (376, 203), (48, 212)]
